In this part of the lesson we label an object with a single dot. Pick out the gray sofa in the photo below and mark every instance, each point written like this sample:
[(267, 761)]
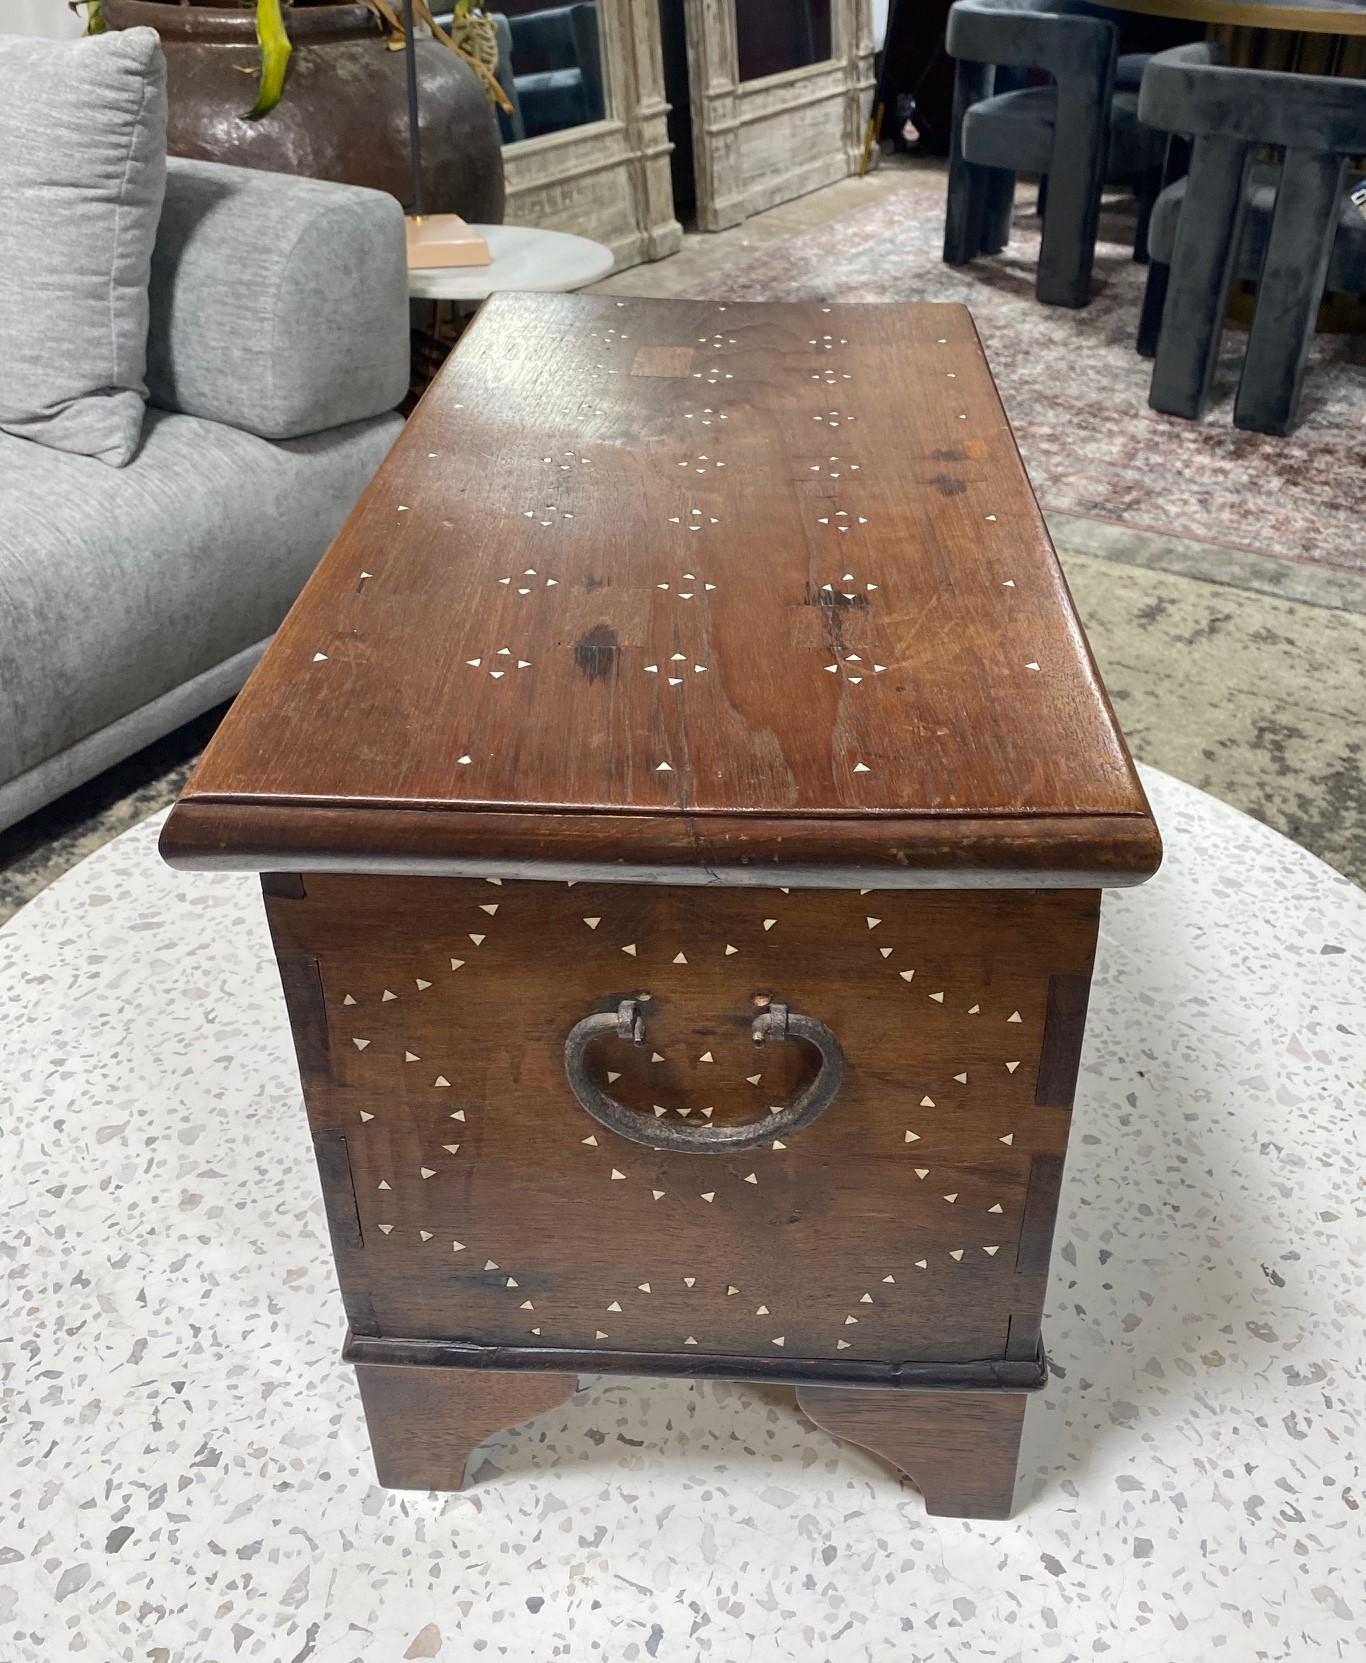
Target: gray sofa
[(133, 599)]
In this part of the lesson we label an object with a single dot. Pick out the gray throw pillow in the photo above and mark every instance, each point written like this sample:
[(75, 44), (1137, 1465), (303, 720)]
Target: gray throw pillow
[(82, 171)]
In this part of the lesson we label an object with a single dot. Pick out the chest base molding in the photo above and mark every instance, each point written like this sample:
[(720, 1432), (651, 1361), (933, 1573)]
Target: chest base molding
[(987, 1374), (951, 1430)]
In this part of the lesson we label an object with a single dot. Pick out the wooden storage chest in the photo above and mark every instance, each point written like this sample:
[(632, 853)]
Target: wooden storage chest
[(683, 796)]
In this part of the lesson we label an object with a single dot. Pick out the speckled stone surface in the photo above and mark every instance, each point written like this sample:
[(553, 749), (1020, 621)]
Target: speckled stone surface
[(184, 1474)]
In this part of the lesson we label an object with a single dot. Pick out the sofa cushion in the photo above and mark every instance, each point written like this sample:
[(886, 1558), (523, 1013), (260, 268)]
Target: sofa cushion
[(118, 585), (279, 305), (82, 169)]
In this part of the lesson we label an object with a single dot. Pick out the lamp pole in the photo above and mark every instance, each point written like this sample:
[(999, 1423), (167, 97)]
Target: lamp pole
[(414, 137)]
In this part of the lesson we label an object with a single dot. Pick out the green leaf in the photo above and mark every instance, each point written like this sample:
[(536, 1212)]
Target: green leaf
[(273, 39)]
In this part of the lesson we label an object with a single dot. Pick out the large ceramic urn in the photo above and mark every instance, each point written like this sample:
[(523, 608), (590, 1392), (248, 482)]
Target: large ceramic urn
[(344, 111)]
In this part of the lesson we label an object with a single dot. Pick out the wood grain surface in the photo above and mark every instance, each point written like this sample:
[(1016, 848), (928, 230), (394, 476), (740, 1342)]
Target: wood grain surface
[(675, 566), (475, 1201)]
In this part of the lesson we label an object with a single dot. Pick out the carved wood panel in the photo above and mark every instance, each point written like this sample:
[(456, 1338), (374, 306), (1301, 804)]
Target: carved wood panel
[(758, 143), (609, 179)]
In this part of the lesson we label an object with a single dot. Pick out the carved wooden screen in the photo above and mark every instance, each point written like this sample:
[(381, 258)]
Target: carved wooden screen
[(760, 142)]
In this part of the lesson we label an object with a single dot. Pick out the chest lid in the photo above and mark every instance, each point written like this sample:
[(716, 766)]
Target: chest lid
[(677, 589)]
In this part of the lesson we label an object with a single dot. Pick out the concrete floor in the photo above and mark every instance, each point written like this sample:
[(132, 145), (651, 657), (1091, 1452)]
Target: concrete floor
[(1241, 674)]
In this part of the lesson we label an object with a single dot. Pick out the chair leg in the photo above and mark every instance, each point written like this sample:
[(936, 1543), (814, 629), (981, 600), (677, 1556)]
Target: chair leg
[(1154, 299), (1067, 249), (1000, 204), (1147, 188), (1067, 253), (1041, 207), (1208, 238), (965, 214), (1289, 290)]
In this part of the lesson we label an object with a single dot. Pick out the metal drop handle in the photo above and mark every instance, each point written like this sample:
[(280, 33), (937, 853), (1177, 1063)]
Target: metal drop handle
[(775, 1021)]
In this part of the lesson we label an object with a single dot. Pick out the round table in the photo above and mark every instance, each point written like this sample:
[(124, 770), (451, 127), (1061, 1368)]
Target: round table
[(186, 1472), (1324, 17), (524, 258), (1310, 37)]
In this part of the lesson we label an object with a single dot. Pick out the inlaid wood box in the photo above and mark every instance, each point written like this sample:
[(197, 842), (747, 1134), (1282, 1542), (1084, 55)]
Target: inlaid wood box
[(683, 796)]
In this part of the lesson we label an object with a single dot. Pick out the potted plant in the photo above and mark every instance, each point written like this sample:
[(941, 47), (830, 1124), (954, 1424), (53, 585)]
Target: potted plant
[(317, 87)]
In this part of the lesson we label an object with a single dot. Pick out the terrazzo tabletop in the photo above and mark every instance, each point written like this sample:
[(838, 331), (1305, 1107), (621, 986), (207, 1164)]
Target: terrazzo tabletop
[(184, 1471)]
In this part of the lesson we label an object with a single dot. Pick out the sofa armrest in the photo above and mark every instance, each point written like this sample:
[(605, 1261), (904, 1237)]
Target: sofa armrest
[(278, 304)]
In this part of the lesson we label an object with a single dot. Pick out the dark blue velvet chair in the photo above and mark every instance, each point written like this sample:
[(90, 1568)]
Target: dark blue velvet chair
[(1287, 224), (1077, 133), (566, 88)]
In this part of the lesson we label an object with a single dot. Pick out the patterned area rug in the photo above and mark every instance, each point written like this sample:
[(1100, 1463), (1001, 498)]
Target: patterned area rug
[(1076, 391)]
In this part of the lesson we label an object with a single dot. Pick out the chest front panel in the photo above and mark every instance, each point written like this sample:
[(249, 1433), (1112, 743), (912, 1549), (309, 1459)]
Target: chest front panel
[(480, 1202)]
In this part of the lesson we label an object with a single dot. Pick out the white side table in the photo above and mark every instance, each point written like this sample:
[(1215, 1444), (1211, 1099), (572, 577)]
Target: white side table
[(525, 258)]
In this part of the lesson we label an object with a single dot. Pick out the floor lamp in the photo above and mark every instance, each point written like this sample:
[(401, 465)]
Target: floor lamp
[(433, 239)]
